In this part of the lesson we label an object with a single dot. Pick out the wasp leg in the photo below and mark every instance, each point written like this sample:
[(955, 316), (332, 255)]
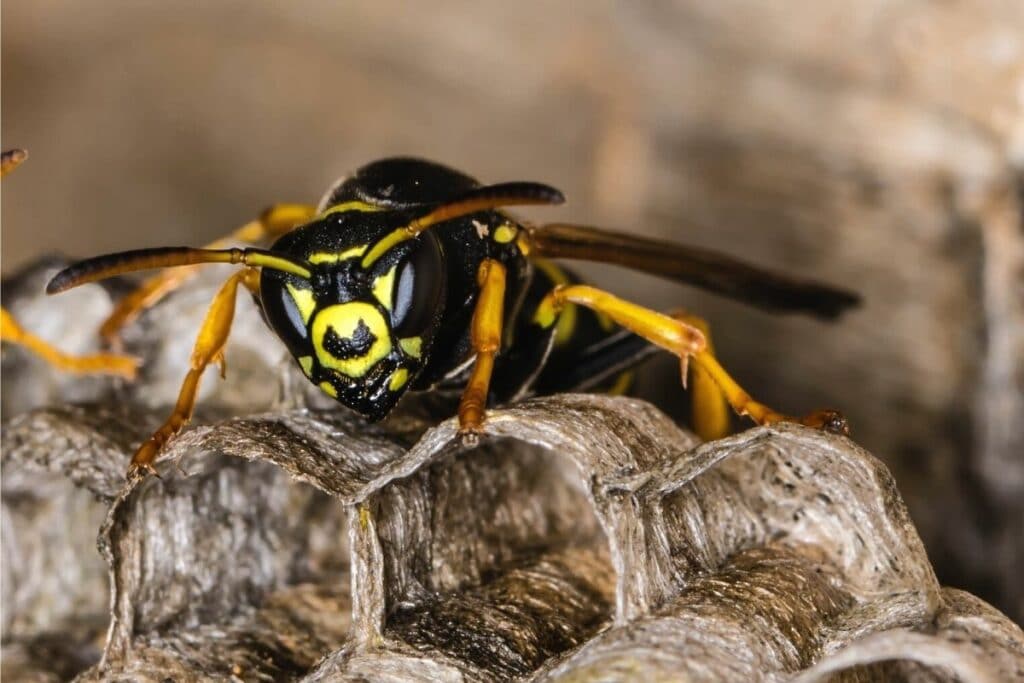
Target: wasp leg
[(685, 341), (275, 221), (709, 408), (97, 363), (209, 348), (10, 159), (486, 340), (613, 358), (11, 331), (741, 402)]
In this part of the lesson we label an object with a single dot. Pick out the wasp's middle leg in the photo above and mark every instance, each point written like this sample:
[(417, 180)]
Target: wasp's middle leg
[(275, 221), (209, 348), (93, 363), (486, 332)]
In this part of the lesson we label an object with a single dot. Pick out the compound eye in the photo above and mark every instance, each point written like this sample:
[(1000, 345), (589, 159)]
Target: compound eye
[(287, 306), (419, 289)]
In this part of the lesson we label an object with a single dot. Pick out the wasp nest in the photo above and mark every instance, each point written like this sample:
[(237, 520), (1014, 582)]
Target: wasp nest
[(586, 538)]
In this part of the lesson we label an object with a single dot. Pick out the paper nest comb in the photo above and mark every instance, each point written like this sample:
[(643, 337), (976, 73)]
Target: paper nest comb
[(587, 538)]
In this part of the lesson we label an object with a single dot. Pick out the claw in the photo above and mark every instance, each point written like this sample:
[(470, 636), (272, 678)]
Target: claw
[(222, 364), (469, 438), (828, 420), (139, 470)]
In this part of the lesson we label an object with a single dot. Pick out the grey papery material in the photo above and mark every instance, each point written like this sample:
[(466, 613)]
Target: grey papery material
[(586, 538)]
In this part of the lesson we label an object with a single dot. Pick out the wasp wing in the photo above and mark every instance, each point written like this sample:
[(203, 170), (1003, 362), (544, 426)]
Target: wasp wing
[(703, 268)]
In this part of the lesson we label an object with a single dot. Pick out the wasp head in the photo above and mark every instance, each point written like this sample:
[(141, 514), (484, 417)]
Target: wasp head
[(362, 324)]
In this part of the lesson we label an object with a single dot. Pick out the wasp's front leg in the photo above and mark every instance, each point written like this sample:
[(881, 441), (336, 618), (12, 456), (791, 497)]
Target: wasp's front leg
[(275, 221), (209, 348), (486, 333)]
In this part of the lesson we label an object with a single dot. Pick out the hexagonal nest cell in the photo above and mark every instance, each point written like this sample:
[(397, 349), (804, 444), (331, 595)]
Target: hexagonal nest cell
[(585, 538)]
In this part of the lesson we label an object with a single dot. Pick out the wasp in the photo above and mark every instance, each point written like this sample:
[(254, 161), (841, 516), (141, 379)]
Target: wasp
[(412, 276)]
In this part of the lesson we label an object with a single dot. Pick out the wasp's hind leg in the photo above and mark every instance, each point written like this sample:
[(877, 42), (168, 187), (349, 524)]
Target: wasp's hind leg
[(96, 363), (607, 366), (209, 348), (705, 363), (275, 221), (486, 332), (688, 342), (709, 406)]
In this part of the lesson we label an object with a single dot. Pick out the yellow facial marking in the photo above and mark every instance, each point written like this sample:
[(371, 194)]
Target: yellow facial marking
[(306, 362), (398, 379), (412, 346), (385, 244), (328, 389), (384, 288), (345, 320), (349, 206), (505, 233), (303, 299), (334, 257)]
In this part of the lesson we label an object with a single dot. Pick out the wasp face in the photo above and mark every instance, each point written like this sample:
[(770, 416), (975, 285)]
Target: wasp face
[(361, 325)]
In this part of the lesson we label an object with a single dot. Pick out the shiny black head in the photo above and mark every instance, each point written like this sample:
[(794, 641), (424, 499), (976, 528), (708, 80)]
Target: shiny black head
[(362, 325)]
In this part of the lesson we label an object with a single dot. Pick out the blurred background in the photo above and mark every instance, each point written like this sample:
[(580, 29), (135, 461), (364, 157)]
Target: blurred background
[(877, 145)]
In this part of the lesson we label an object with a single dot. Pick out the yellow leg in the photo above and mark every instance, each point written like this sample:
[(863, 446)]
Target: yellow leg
[(673, 335), (97, 363), (11, 159), (685, 341), (827, 419), (251, 280), (209, 348), (488, 318), (275, 221), (709, 409), (11, 331)]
